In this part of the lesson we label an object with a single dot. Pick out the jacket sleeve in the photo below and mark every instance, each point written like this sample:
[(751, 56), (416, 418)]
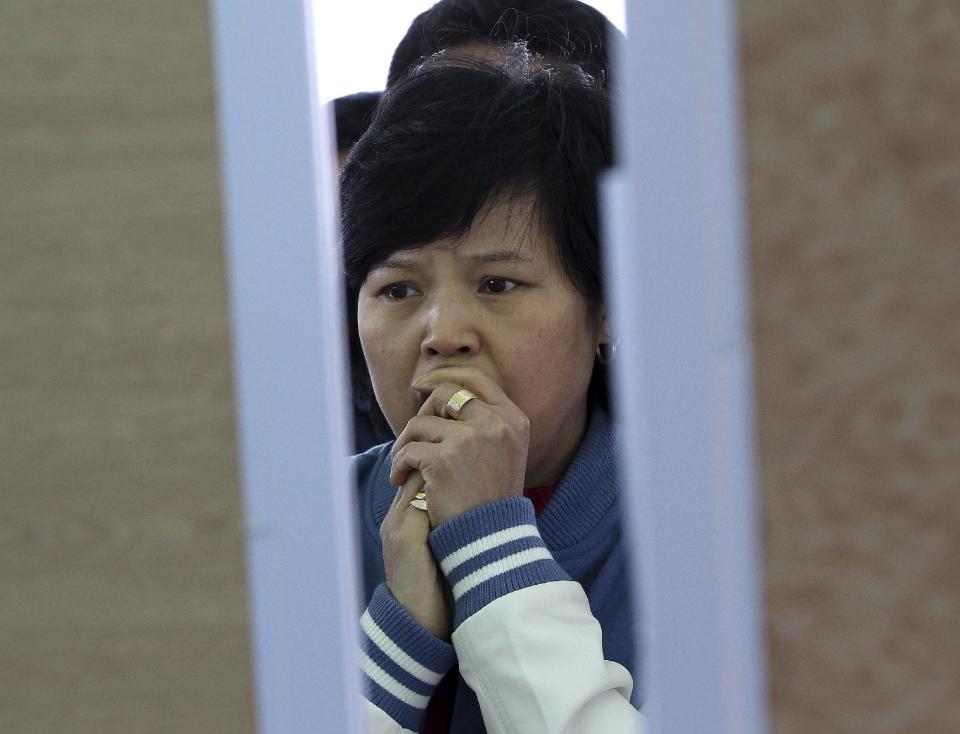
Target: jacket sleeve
[(402, 665), (378, 722), (525, 638)]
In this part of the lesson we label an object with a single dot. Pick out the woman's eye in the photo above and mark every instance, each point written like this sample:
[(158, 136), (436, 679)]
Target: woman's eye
[(399, 291), (498, 285)]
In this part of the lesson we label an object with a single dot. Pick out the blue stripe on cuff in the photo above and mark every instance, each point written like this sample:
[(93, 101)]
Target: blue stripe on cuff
[(487, 576), (407, 716), (531, 574), (427, 649), (412, 659), (479, 522), (396, 671), (501, 551)]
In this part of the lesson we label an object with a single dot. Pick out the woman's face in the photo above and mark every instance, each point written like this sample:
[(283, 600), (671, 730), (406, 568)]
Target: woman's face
[(494, 301)]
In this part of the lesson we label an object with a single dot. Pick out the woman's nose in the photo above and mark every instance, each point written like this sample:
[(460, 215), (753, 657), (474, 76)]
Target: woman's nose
[(450, 331)]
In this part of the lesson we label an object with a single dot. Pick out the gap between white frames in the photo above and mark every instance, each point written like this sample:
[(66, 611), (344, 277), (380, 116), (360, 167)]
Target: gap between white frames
[(685, 398)]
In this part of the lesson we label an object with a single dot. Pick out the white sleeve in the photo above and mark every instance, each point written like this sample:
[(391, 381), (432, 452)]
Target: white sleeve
[(379, 722), (525, 637), (534, 657)]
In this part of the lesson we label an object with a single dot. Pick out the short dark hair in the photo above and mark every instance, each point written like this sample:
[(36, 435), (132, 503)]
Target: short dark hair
[(352, 114), (458, 134), (565, 30)]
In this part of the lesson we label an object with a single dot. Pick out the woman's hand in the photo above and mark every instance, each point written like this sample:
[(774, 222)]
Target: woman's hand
[(480, 457), (412, 575)]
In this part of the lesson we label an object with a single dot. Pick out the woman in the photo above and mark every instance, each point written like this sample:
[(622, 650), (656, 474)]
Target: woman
[(478, 336)]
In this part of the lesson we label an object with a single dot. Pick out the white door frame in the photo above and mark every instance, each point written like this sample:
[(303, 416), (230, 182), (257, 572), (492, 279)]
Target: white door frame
[(287, 307), (677, 272)]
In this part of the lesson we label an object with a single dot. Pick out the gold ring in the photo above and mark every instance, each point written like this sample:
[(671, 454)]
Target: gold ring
[(419, 500), (455, 404)]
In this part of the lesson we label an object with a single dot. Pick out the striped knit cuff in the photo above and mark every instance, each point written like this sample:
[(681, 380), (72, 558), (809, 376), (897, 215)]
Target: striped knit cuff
[(490, 551), (402, 662)]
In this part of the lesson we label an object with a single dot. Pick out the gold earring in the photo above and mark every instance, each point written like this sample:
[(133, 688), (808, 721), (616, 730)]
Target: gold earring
[(606, 356)]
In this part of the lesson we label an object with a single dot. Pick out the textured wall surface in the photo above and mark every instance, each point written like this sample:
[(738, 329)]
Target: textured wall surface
[(853, 121), (120, 551), (121, 561)]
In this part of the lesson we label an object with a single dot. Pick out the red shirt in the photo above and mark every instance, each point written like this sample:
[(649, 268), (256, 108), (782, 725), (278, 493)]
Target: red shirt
[(440, 709)]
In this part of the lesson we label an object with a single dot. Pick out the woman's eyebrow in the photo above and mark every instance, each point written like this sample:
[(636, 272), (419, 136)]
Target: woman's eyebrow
[(395, 263), (399, 262), (500, 256)]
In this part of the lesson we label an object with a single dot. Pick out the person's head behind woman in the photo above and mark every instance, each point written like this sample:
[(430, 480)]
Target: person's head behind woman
[(460, 153), (561, 30)]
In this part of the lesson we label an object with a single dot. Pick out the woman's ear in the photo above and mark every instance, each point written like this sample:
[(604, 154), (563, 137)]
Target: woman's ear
[(606, 343), (605, 333)]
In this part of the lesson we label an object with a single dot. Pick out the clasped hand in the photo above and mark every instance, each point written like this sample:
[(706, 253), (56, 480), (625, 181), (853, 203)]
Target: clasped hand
[(461, 463)]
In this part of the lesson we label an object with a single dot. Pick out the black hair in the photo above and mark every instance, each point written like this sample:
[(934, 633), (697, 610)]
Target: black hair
[(352, 113), (458, 134), (563, 30)]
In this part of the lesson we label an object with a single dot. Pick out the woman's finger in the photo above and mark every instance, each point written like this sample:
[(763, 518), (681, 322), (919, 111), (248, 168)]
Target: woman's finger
[(406, 490), (425, 428), (436, 403), (405, 461), (455, 378), (411, 458), (395, 501), (412, 484)]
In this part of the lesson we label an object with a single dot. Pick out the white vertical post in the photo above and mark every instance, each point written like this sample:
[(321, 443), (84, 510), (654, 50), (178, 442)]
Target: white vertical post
[(286, 296), (677, 270)]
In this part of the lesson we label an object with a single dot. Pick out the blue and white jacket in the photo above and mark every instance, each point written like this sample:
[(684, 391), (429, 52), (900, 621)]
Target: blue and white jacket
[(543, 628)]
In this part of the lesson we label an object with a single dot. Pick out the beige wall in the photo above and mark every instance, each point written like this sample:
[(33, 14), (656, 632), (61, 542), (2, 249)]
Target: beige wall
[(123, 604), (853, 118), (121, 564)]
